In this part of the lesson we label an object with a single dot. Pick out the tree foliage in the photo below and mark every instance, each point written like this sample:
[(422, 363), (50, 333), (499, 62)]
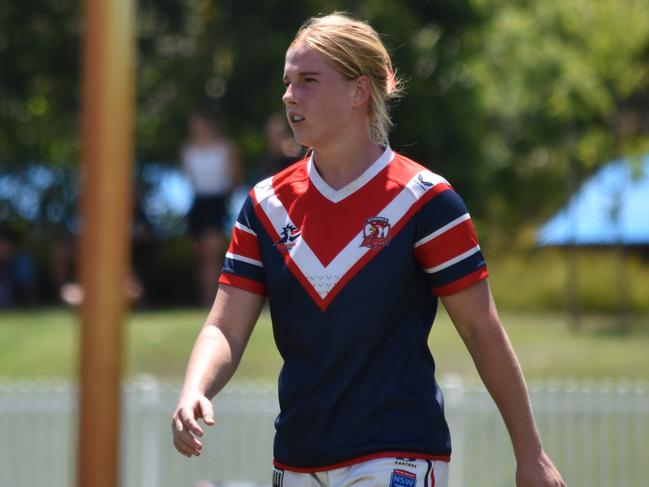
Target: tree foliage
[(502, 97), (562, 84), (39, 86), (221, 58)]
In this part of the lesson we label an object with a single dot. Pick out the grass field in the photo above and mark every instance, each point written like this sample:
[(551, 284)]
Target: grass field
[(42, 344), (532, 278)]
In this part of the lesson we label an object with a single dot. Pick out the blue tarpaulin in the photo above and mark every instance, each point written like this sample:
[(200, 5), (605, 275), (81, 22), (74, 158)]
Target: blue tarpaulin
[(611, 208)]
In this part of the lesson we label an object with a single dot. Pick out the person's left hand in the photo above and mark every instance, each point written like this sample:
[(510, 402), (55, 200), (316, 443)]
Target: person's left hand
[(538, 472)]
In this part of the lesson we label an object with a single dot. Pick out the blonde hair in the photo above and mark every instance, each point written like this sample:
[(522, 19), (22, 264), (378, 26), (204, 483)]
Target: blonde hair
[(354, 48)]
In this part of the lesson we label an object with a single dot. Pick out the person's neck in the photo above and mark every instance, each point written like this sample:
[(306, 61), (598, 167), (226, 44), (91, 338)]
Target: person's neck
[(341, 164)]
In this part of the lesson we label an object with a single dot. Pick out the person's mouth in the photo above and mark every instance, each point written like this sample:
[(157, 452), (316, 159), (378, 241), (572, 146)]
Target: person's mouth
[(295, 118)]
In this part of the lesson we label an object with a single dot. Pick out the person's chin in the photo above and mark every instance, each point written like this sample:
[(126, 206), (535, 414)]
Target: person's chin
[(302, 138)]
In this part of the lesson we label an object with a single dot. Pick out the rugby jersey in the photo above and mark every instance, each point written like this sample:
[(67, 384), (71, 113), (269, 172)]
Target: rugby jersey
[(352, 278)]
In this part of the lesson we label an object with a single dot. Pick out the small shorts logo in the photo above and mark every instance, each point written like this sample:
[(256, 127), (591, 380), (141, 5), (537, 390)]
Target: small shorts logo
[(376, 232), (403, 478), (289, 236), (406, 462)]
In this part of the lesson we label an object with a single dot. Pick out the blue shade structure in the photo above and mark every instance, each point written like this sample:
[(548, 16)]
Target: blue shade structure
[(611, 208)]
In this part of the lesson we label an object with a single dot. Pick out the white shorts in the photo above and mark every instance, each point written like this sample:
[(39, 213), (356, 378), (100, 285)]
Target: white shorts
[(382, 472)]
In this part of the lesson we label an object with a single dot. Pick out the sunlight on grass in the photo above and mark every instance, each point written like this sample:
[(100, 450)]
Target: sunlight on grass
[(43, 344)]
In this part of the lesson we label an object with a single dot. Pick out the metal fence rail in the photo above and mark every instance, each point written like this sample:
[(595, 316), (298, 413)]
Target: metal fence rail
[(597, 433)]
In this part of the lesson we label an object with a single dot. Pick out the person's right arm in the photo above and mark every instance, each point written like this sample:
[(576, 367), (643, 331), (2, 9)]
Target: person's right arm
[(214, 358)]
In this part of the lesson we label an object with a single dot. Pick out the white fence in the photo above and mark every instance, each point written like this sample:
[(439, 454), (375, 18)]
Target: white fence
[(597, 433)]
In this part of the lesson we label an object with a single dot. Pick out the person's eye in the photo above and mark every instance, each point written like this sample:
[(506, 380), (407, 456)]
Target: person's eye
[(310, 80)]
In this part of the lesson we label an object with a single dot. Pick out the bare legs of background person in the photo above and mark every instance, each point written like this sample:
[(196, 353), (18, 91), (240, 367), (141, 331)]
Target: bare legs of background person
[(63, 270), (209, 259), (64, 275)]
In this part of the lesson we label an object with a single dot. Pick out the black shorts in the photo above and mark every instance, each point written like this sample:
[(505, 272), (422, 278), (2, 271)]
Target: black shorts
[(208, 213)]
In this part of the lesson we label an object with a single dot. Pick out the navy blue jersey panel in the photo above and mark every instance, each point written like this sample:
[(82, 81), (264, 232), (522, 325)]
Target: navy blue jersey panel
[(243, 269), (440, 210), (348, 275), (360, 370), (247, 215)]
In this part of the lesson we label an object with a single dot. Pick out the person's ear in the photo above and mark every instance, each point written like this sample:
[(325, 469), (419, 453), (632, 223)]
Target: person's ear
[(362, 91)]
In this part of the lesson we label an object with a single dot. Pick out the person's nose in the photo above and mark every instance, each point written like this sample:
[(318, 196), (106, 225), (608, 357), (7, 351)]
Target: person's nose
[(289, 96)]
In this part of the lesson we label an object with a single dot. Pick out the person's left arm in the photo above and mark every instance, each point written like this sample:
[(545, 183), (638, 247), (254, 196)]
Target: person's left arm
[(474, 315)]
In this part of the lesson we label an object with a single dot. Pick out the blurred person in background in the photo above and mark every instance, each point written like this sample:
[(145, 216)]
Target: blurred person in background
[(63, 258), (212, 164), (282, 149), (354, 246), (143, 246), (63, 272), (18, 279)]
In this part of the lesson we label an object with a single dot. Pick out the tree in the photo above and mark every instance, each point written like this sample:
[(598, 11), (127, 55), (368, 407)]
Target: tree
[(39, 85), (226, 57), (561, 84)]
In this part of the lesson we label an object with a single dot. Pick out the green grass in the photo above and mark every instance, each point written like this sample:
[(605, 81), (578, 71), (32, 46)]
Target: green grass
[(533, 278), (42, 344), (37, 344)]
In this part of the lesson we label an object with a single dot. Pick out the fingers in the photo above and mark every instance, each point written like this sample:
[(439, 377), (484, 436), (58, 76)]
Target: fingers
[(185, 427), (187, 444), (206, 410), (181, 449), (184, 449), (184, 441), (189, 422)]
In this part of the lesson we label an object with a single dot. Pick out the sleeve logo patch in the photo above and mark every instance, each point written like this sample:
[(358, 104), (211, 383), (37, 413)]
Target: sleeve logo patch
[(403, 478)]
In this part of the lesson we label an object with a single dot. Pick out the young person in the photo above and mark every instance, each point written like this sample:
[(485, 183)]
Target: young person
[(211, 162), (281, 148), (353, 246)]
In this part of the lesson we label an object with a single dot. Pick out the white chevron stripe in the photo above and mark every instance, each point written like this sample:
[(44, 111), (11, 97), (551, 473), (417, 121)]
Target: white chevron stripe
[(324, 278)]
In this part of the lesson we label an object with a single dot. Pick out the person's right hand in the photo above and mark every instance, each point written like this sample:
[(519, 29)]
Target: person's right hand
[(192, 405)]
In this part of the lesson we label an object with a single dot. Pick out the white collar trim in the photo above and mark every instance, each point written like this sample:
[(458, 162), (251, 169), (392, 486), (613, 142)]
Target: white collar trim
[(334, 195)]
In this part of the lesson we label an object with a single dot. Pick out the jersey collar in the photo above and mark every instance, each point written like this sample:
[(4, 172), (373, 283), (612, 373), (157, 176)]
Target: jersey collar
[(334, 195)]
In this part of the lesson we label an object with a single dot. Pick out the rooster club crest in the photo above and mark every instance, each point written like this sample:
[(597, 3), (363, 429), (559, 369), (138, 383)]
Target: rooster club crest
[(376, 233), (289, 236)]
